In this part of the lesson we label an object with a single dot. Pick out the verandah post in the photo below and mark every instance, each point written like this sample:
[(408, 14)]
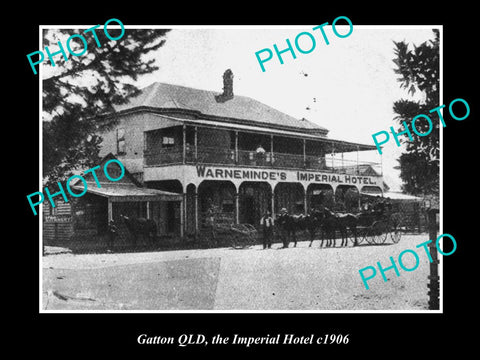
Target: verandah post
[(236, 147), (196, 142), (184, 145)]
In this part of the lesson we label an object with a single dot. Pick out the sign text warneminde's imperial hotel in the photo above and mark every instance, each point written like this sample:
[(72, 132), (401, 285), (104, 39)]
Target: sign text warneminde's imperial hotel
[(187, 150), (224, 173)]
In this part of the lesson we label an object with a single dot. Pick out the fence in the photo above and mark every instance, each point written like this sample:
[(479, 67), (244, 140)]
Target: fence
[(224, 156)]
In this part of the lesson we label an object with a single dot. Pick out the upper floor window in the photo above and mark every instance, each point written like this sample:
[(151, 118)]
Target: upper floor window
[(120, 141)]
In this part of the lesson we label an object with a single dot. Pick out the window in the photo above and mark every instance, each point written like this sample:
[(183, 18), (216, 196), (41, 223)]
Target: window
[(120, 141), (168, 141)]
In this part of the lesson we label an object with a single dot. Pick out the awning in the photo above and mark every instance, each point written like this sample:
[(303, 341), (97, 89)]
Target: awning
[(122, 193), (394, 196), (340, 145)]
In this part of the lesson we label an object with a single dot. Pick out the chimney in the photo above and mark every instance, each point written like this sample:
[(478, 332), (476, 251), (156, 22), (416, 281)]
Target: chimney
[(227, 87)]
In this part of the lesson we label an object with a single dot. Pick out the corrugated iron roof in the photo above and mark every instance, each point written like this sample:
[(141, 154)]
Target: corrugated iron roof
[(129, 193), (341, 145), (167, 96)]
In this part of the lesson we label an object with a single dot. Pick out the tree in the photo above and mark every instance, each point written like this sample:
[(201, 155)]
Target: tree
[(419, 71), (84, 87), (351, 198)]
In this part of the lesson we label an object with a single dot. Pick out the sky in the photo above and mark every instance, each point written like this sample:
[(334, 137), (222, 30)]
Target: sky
[(347, 86)]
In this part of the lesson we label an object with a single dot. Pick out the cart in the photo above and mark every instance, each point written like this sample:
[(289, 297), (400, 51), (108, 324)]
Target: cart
[(376, 228), (243, 235)]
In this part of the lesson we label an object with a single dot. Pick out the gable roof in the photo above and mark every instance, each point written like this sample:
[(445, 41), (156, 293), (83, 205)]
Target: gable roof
[(127, 188), (162, 96), (127, 179)]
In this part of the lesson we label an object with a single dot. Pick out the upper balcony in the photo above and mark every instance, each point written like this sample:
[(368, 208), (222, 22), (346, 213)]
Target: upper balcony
[(195, 145)]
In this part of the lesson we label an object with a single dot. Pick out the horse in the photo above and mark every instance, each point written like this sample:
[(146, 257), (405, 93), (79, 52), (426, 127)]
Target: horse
[(313, 222), (343, 222), (140, 226), (289, 225), (329, 225)]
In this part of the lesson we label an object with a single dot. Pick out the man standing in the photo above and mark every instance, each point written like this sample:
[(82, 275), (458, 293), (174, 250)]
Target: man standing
[(283, 222), (112, 233), (211, 214), (267, 224)]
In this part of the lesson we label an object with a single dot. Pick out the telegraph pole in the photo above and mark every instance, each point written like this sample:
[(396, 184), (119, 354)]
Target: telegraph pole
[(432, 209)]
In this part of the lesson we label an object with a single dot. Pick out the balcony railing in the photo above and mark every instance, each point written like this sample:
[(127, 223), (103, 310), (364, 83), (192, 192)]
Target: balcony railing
[(222, 156)]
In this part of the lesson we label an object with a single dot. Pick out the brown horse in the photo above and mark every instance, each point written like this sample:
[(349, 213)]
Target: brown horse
[(290, 225), (342, 222)]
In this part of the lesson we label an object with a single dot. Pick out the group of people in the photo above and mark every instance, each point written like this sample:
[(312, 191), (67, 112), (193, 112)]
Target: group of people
[(379, 206), (267, 224)]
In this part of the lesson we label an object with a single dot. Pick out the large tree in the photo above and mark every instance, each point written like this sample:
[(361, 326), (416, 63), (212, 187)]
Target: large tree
[(419, 71), (77, 91)]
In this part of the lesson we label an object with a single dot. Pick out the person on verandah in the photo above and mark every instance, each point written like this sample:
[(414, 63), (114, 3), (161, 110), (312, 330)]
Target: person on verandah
[(260, 154)]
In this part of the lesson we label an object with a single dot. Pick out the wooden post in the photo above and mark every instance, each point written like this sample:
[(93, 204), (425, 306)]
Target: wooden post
[(305, 202), (381, 164), (145, 148), (237, 208), (148, 209), (273, 202), (359, 202), (196, 142), (333, 156), (185, 217), (434, 287), (184, 150), (358, 169), (271, 155), (110, 212), (236, 147), (196, 210), (182, 222), (304, 154)]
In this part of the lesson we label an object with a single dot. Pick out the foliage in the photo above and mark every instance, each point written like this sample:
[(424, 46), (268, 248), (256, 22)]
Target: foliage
[(84, 87), (419, 72), (351, 198)]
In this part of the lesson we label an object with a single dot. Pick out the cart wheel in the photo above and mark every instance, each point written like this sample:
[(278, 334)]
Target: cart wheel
[(378, 232), (396, 234), (236, 242), (361, 235), (351, 236), (360, 238), (244, 241), (364, 235)]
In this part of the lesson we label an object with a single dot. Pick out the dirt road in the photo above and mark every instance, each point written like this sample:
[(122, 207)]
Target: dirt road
[(300, 278)]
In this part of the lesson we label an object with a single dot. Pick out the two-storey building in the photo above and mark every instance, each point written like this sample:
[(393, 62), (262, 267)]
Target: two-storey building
[(232, 154)]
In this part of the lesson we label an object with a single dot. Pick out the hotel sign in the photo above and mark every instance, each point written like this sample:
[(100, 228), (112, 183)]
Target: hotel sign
[(241, 174), (335, 178), (221, 173)]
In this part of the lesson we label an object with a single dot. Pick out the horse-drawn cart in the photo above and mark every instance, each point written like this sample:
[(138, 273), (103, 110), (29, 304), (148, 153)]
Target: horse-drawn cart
[(243, 235), (220, 229), (240, 235), (375, 228)]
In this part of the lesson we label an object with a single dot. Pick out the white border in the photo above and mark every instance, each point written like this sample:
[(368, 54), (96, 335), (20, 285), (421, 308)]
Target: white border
[(40, 213)]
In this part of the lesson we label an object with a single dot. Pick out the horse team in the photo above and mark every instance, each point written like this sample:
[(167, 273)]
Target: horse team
[(324, 221), (319, 221)]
